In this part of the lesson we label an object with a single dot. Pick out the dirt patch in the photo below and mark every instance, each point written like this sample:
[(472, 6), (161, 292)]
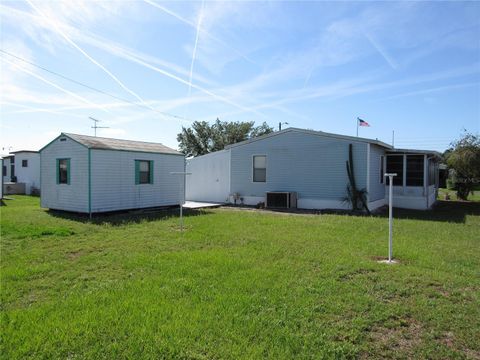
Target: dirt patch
[(352, 275), (400, 339), (448, 339), (72, 255), (75, 254)]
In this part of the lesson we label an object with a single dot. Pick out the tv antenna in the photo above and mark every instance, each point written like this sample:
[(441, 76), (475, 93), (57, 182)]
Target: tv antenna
[(95, 126)]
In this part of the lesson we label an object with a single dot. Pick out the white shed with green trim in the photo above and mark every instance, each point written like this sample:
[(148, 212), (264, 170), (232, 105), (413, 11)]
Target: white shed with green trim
[(93, 174)]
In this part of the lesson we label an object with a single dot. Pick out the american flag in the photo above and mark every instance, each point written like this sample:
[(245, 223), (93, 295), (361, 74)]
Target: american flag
[(362, 122)]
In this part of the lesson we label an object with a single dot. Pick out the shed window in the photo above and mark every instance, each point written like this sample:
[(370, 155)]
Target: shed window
[(24, 163), (143, 172), (260, 168), (382, 172), (63, 171), (414, 170), (395, 166)]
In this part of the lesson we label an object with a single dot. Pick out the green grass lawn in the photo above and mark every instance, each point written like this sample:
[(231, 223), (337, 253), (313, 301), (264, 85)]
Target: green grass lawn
[(453, 194), (239, 284)]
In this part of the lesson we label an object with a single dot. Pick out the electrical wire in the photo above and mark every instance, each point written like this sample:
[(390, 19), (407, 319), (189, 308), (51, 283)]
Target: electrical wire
[(178, 117)]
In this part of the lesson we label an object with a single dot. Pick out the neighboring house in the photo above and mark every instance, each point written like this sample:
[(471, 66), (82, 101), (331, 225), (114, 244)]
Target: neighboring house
[(1, 185), (310, 168), (8, 168), (27, 169), (92, 174)]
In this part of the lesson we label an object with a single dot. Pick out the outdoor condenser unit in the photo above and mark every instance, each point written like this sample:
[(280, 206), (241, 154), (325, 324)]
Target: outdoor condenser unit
[(281, 199)]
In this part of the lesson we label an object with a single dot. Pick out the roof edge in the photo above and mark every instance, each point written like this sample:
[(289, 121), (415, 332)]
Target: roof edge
[(418, 151), (27, 151), (70, 136), (311, 132), (59, 136)]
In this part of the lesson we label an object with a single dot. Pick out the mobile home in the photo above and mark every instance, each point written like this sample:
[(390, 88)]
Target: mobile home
[(307, 169)]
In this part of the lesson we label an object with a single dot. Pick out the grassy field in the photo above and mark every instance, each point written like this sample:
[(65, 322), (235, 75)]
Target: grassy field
[(239, 284)]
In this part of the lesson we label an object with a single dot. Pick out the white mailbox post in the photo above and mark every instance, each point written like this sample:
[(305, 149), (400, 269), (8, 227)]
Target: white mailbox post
[(184, 175), (390, 220)]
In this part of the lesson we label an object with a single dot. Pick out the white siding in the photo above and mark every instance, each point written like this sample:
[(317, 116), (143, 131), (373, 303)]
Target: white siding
[(311, 165), (210, 177), (113, 180), (376, 188), (1, 186), (8, 175), (71, 197), (29, 175)]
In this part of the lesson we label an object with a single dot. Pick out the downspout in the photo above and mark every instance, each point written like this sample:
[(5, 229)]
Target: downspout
[(90, 183), (427, 179), (368, 173), (184, 179)]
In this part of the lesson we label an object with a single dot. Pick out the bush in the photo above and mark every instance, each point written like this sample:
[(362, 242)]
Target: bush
[(451, 185)]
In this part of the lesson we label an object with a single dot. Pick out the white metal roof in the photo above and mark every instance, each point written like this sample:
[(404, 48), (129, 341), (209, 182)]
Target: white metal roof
[(311, 132), (96, 142)]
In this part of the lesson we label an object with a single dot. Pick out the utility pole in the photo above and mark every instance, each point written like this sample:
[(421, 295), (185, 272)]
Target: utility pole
[(393, 138), (280, 125), (95, 126)]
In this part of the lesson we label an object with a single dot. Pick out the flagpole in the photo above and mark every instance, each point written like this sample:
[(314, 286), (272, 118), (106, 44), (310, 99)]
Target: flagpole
[(357, 126)]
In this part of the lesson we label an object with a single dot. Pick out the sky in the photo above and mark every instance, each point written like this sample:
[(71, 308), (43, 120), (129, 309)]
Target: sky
[(147, 68)]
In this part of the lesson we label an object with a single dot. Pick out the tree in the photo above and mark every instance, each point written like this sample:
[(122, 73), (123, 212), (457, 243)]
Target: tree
[(464, 159), (202, 138)]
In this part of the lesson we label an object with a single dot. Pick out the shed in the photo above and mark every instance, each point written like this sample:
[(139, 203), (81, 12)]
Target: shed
[(93, 174)]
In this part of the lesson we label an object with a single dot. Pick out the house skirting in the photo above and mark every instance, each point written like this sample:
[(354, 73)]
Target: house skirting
[(306, 203), (413, 202)]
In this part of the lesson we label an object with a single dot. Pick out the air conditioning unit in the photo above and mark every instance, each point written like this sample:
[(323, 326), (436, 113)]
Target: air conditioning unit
[(281, 199)]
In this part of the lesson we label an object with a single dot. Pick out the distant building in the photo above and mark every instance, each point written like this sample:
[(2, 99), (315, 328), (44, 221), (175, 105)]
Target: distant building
[(1, 181), (93, 174), (8, 168), (307, 169), (27, 169)]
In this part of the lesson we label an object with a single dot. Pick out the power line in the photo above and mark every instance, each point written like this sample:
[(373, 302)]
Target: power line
[(95, 89)]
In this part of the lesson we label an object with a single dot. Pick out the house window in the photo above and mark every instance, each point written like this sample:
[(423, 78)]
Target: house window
[(382, 172), (63, 171), (414, 170), (395, 166), (4, 170), (24, 163), (143, 172), (259, 168)]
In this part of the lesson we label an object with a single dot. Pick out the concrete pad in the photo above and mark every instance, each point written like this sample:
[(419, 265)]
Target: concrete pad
[(200, 205), (393, 261)]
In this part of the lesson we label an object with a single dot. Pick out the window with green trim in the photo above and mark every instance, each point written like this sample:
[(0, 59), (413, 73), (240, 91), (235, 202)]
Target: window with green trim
[(63, 171), (143, 172)]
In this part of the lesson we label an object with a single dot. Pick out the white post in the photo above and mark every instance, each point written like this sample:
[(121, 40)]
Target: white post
[(184, 178), (390, 220)]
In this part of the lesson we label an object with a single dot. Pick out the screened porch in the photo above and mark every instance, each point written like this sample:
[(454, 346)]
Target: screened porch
[(416, 183)]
